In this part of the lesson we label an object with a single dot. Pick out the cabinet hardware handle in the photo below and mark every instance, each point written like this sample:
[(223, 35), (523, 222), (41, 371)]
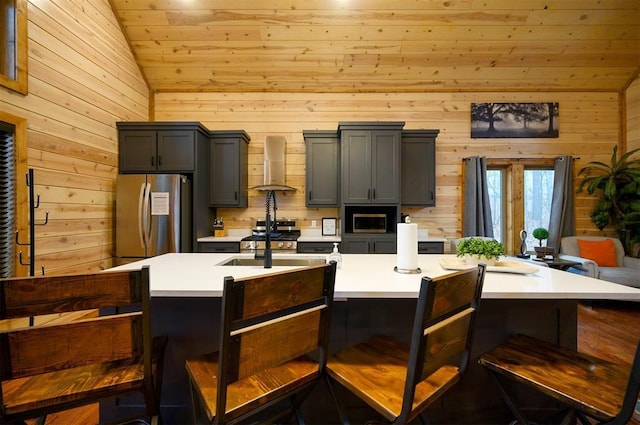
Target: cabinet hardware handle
[(153, 161), (368, 193), (374, 194), (235, 195), (159, 160)]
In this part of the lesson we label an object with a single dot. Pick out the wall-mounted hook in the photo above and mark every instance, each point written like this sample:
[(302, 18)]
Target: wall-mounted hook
[(24, 264), (46, 219), (18, 241)]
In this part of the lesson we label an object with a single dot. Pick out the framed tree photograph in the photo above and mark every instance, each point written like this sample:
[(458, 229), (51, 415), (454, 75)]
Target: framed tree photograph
[(500, 120)]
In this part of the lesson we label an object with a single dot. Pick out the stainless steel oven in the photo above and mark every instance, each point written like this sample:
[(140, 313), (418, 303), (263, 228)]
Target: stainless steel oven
[(283, 239), (369, 223)]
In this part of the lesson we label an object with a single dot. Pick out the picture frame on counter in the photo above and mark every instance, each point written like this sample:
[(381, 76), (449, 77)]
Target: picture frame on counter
[(329, 226)]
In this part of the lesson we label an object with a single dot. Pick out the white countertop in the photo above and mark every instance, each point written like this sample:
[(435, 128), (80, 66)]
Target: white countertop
[(372, 276), (307, 235)]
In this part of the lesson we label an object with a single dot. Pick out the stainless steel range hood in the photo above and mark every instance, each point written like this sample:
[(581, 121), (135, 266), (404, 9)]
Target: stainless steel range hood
[(274, 164)]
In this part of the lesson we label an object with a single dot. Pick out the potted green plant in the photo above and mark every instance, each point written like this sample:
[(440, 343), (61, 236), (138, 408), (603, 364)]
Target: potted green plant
[(618, 186), (479, 250), (541, 234)]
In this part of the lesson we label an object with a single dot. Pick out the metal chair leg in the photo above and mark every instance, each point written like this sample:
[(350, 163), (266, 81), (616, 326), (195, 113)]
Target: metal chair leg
[(337, 402), (509, 401)]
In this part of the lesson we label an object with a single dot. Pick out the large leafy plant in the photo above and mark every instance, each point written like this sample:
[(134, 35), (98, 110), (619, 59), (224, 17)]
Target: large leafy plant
[(618, 185)]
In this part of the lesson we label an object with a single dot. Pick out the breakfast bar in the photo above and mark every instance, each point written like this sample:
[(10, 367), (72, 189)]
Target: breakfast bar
[(371, 298)]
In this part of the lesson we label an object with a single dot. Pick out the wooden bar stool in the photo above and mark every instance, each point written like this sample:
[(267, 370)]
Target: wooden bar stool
[(399, 381), (273, 346), (57, 365), (589, 387)]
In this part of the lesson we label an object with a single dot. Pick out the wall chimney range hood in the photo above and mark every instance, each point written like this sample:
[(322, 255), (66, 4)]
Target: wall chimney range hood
[(274, 164)]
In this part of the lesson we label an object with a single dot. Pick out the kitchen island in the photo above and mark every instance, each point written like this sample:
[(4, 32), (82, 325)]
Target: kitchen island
[(371, 298)]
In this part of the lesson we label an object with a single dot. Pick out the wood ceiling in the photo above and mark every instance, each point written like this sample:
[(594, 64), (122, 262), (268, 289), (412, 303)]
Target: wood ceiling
[(383, 45)]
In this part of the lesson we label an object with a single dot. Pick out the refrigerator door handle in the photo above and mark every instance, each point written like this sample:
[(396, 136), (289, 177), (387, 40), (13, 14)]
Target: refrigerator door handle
[(146, 213), (141, 219)]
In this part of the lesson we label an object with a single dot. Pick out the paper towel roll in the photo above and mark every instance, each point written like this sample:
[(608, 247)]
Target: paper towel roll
[(407, 250)]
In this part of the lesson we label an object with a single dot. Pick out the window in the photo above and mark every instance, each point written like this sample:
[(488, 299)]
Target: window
[(13, 192), (7, 196), (520, 193), (13, 45)]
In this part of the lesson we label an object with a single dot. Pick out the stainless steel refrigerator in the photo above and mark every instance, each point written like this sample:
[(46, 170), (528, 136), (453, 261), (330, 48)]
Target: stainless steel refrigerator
[(153, 215)]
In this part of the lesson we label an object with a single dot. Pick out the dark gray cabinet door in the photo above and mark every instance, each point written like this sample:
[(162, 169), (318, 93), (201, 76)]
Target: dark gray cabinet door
[(137, 151), (430, 247), (213, 247), (384, 245), (228, 173), (322, 169), (143, 151), (176, 151), (385, 173), (369, 244), (418, 161), (370, 166), (356, 166), (316, 247), (354, 245)]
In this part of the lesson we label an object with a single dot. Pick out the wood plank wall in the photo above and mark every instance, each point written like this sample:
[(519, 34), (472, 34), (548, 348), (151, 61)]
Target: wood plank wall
[(82, 79), (589, 128), (632, 119)]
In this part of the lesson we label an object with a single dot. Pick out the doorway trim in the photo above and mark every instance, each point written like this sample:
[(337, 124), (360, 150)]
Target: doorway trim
[(20, 184)]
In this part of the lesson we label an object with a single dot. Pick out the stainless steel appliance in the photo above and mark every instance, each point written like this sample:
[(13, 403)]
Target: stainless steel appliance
[(369, 223), (153, 215), (283, 238)]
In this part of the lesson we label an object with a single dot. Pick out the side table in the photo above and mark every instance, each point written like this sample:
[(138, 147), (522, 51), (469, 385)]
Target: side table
[(556, 263)]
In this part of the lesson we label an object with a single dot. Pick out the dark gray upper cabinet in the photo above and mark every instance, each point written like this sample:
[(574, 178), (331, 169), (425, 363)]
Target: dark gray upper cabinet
[(322, 168), (158, 147), (419, 168), (228, 168), (370, 161)]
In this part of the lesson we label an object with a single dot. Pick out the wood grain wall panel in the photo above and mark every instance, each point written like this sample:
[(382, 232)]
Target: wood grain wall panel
[(632, 96), (589, 128), (83, 78)]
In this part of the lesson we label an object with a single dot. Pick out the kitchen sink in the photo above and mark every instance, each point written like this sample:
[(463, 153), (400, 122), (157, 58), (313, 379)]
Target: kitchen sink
[(276, 261)]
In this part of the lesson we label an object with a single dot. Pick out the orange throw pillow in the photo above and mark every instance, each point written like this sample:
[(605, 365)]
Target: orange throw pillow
[(602, 252)]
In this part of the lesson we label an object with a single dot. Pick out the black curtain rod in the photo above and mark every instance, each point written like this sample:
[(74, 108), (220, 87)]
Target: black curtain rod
[(516, 159)]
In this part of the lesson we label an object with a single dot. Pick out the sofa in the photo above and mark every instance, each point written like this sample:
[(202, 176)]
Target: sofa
[(589, 250)]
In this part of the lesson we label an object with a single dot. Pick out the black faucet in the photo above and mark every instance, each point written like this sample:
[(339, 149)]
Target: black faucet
[(271, 196)]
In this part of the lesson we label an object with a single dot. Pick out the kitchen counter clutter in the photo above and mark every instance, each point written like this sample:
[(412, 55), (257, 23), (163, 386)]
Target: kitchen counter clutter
[(201, 275)]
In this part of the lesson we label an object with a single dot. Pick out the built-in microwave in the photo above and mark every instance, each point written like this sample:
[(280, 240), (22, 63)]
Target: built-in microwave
[(369, 223)]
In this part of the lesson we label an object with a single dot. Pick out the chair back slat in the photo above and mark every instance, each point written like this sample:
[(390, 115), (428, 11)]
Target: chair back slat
[(446, 341), (32, 351), (271, 319), (269, 346), (443, 327), (450, 294), (277, 292), (40, 295)]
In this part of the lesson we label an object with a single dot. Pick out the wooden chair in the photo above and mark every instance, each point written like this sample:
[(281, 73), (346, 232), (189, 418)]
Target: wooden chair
[(57, 365), (588, 386), (401, 381), (270, 323)]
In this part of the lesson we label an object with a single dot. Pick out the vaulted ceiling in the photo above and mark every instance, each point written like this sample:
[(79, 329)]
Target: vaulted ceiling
[(383, 45)]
